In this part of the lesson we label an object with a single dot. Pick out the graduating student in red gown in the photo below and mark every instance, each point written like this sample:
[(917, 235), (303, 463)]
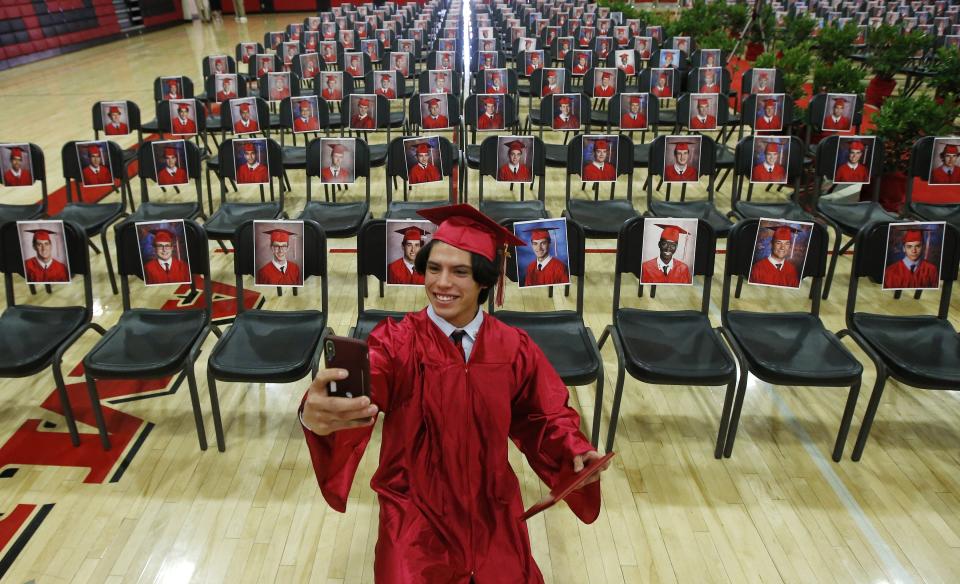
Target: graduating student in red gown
[(253, 172), (246, 124), (665, 269), (770, 170), (279, 271), (837, 121), (604, 88), (769, 120), (775, 269), (96, 173), (456, 385), (182, 124), (335, 173), (515, 170), (43, 267), (681, 170), (948, 172), (434, 120), (423, 171), (489, 119), (912, 271), (164, 268), (634, 119), (854, 171), (362, 120), (600, 168), (115, 127), (16, 175), (401, 270), (545, 269), (306, 121), (171, 173)]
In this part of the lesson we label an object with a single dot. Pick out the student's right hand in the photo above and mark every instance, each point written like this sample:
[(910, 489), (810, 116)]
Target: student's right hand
[(323, 414)]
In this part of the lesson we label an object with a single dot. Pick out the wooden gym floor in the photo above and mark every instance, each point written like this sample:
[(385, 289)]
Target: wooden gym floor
[(157, 509)]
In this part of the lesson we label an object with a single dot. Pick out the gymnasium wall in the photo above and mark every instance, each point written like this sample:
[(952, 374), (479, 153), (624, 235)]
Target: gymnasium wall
[(31, 30)]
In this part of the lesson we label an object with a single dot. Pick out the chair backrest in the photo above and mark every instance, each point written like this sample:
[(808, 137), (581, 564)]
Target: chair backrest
[(383, 112), (185, 84), (740, 260), (238, 55), (314, 262), (547, 112), (397, 159), (708, 162), (616, 113), (753, 103), (147, 167), (414, 114), (779, 83), (165, 117), (590, 83), (361, 164), (129, 263), (818, 105), (210, 86), (630, 259), (576, 248), (744, 162), (471, 113), (371, 255), (208, 67), (684, 108), (825, 162), (11, 260), (72, 172), (287, 114), (538, 82), (869, 261), (263, 85), (133, 119), (38, 166), (263, 117)]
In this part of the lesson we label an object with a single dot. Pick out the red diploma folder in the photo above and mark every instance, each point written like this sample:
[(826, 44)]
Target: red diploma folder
[(567, 485)]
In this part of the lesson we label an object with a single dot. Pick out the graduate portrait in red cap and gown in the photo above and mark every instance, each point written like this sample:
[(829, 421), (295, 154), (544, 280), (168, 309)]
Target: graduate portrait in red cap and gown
[(182, 118), (515, 154), (835, 115), (682, 167), (661, 82), (252, 167), (17, 166), (362, 111), (778, 261), (770, 169), (423, 170), (547, 266), (945, 170), (702, 114), (909, 268), (856, 167), (599, 163), (633, 111), (166, 157), (665, 267), (336, 168), (413, 236), (95, 166), (163, 239), (767, 118), (305, 120), (40, 266), (567, 112), (606, 83), (244, 116), (455, 385), (490, 116), (387, 85), (277, 268), (114, 123), (433, 112)]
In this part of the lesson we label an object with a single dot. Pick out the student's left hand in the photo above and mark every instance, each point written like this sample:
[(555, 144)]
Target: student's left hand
[(582, 460)]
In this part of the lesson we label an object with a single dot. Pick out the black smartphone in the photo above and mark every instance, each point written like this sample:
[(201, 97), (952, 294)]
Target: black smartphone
[(352, 355)]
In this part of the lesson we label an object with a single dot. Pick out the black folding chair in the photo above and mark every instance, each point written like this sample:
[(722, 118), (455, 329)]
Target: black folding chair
[(785, 348), (921, 161), (601, 219), (270, 346), (337, 218), (155, 211), (22, 212), (556, 154), (502, 209), (397, 168), (33, 338), (919, 350), (371, 261), (564, 338), (745, 207), (668, 347), (149, 343)]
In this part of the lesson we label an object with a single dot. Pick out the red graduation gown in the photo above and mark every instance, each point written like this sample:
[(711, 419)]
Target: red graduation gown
[(939, 176), (118, 130), (271, 276), (11, 180), (155, 274), (593, 173), (256, 175), (418, 174), (522, 174), (183, 127), (494, 122), (311, 125), (629, 122), (440, 122), (898, 275), (331, 94), (845, 174), (555, 272), (56, 272), (651, 273), (101, 177), (761, 174), (178, 177), (764, 272), (397, 273), (843, 123), (601, 91), (689, 174), (572, 123), (364, 123), (708, 123), (449, 500), (326, 175), (773, 124)]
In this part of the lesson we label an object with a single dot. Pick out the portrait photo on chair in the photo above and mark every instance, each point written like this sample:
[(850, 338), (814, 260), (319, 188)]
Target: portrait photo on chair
[(944, 167), (338, 160), (225, 85), (490, 114), (400, 62), (405, 238), (681, 159), (703, 111), (278, 86), (164, 256), (16, 166), (309, 65), (304, 112), (171, 88), (218, 64), (264, 64), (328, 52), (170, 162), (385, 84), (251, 161), (780, 253), (95, 168), (710, 58), (838, 112), (515, 159), (668, 251), (363, 111), (769, 114), (566, 112), (439, 81), (434, 112), (914, 255), (423, 160), (244, 113), (599, 158), (854, 160), (278, 253), (545, 259), (708, 79), (247, 50), (43, 249), (763, 81), (495, 81), (116, 121), (661, 82), (183, 117), (771, 155)]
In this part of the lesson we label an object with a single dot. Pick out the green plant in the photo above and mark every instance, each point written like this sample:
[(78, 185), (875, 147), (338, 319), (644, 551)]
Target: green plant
[(795, 63), (889, 50), (903, 119), (797, 29), (946, 72), (843, 76), (763, 27), (836, 42)]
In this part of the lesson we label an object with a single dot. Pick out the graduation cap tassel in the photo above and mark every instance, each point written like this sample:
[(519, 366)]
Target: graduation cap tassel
[(501, 277)]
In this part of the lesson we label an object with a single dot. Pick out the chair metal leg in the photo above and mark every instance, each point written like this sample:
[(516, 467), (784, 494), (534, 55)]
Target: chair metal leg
[(653, 291), (215, 409), (725, 418), (833, 262), (845, 421), (106, 257), (65, 401), (97, 412), (735, 415), (617, 395), (736, 294), (195, 402)]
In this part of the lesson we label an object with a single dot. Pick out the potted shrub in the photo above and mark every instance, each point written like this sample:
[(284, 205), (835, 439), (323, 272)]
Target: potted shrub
[(835, 43), (889, 50), (760, 32), (843, 76), (795, 62), (946, 78), (899, 123)]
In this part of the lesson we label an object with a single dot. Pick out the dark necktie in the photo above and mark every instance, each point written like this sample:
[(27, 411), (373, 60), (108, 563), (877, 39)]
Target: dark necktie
[(457, 338), (539, 267), (665, 269), (166, 268), (779, 267), (283, 269), (913, 268)]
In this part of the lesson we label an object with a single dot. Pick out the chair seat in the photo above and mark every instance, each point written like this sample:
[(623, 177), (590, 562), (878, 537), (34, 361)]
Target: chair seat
[(214, 123), (694, 210), (19, 212), (397, 119), (30, 335), (516, 210), (337, 219), (369, 319), (852, 216), (933, 212), (563, 338), (129, 155), (535, 118), (151, 127), (641, 155), (598, 118), (408, 209), (335, 120), (275, 122), (667, 118), (230, 216), (785, 347), (784, 210), (151, 211), (378, 154), (294, 157), (145, 342), (922, 350), (473, 155), (675, 347), (555, 154), (725, 156), (266, 345), (92, 217), (601, 219)]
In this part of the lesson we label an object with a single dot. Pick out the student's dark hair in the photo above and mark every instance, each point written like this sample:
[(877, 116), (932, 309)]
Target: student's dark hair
[(485, 272)]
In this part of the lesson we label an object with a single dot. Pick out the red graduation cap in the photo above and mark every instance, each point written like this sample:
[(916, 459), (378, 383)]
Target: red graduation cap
[(541, 233), (441, 75), (495, 74), (565, 101), (783, 232), (551, 73), (606, 75), (385, 77), (423, 148), (515, 145), (488, 101), (244, 107), (772, 147), (703, 101), (331, 78), (363, 101), (664, 76), (433, 101), (682, 147), (624, 56), (183, 107), (913, 235), (162, 236), (171, 82), (412, 233), (16, 153), (336, 148), (114, 110), (770, 102), (279, 235), (93, 150), (951, 149), (857, 145), (170, 151), (304, 104), (601, 145), (763, 75), (466, 228), (840, 101), (41, 234), (671, 232), (249, 147), (635, 99)]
